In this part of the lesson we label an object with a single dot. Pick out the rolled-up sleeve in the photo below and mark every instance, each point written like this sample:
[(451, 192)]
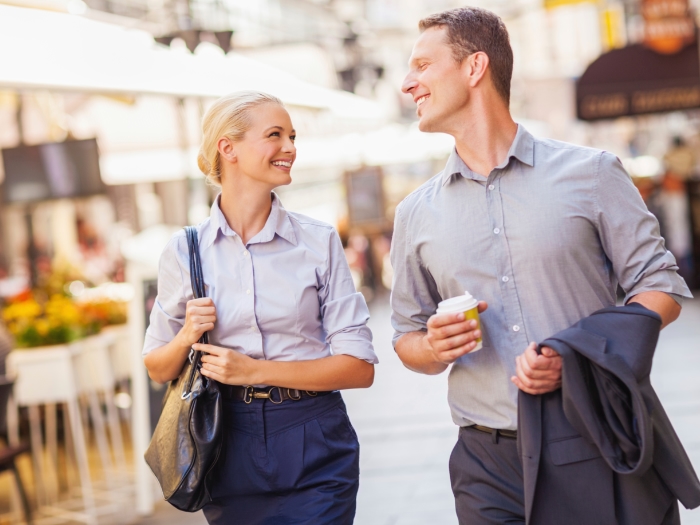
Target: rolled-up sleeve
[(413, 290), (630, 235), (168, 313), (344, 311)]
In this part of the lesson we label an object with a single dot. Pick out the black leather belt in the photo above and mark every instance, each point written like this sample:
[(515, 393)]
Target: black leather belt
[(274, 394), (496, 432)]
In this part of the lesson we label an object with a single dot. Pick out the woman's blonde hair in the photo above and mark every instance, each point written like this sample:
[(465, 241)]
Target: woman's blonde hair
[(228, 117)]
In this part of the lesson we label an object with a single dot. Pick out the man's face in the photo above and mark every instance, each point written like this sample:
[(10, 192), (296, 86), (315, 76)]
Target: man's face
[(437, 83)]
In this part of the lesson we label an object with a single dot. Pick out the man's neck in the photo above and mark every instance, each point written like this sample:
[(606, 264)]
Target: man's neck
[(484, 142)]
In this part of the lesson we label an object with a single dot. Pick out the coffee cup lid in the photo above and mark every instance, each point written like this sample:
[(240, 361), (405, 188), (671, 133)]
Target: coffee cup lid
[(460, 303)]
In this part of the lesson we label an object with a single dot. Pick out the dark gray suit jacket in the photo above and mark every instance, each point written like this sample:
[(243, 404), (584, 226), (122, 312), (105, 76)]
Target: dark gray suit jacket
[(601, 450)]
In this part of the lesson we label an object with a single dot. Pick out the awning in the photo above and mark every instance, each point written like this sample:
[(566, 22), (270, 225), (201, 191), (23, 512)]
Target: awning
[(42, 50), (636, 80)]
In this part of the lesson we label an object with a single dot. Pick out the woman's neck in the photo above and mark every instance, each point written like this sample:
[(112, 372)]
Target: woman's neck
[(246, 210)]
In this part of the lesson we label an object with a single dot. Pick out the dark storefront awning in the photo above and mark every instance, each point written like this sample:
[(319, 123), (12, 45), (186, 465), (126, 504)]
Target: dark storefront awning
[(636, 80)]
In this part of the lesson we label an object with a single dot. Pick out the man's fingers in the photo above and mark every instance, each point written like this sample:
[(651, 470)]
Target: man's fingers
[(548, 352), (439, 320), (450, 356), (456, 341), (540, 361), (449, 330), (482, 306)]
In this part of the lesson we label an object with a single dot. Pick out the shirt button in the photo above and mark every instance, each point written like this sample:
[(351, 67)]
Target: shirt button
[(248, 292), (496, 231), (246, 253), (505, 279), (516, 328), (492, 187)]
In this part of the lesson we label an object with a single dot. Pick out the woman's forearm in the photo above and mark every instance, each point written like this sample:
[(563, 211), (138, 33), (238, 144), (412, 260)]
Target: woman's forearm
[(165, 363), (336, 372)]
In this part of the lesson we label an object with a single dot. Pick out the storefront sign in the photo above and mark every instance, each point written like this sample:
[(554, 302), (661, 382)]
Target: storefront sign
[(636, 80), (668, 26)]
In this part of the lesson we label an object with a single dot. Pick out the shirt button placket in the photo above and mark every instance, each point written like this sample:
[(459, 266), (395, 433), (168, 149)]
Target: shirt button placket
[(250, 295)]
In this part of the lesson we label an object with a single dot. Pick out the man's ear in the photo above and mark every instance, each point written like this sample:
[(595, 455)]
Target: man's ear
[(476, 65), (226, 149)]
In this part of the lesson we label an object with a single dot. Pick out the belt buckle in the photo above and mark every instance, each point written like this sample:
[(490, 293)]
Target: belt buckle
[(265, 395), (289, 394), (248, 394)]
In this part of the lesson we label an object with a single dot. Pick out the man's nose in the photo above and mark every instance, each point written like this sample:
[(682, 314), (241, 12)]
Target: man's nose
[(409, 83)]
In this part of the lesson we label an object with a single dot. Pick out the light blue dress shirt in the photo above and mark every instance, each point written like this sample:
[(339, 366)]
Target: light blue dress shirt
[(544, 240), (286, 296)]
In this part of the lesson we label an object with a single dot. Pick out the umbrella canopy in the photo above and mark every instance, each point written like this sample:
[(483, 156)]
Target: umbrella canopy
[(62, 52)]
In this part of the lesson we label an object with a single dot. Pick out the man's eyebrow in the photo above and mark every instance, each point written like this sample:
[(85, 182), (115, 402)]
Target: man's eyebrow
[(416, 59)]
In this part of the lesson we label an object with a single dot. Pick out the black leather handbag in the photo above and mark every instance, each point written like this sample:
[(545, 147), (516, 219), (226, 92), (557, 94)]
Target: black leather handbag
[(187, 440)]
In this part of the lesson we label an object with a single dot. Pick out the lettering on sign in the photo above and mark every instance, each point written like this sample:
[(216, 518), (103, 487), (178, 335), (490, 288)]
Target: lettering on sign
[(604, 106), (665, 99)]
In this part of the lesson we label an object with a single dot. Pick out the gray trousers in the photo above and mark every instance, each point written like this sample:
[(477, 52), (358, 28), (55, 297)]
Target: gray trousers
[(487, 482), (487, 479)]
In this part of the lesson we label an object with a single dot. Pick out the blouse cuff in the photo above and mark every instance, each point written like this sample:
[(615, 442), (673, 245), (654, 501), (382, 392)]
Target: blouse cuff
[(356, 343)]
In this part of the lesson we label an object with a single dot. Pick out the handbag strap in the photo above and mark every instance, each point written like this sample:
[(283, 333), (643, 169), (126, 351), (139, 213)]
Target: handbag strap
[(197, 280)]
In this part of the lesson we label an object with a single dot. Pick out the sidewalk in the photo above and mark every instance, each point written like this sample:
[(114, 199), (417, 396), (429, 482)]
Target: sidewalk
[(406, 433)]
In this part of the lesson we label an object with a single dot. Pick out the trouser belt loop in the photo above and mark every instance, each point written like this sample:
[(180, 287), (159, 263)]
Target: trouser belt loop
[(494, 436)]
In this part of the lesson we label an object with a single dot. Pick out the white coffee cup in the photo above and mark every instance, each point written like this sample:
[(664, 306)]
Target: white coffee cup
[(466, 304)]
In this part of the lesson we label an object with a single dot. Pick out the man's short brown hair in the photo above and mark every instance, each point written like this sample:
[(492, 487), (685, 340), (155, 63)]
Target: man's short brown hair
[(470, 29)]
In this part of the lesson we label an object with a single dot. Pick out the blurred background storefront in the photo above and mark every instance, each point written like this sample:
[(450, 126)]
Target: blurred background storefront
[(100, 103)]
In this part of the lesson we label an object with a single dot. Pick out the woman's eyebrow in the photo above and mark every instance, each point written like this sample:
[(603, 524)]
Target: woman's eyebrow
[(277, 127)]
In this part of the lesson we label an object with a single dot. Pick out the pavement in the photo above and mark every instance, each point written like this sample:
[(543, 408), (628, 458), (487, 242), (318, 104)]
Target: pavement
[(406, 434)]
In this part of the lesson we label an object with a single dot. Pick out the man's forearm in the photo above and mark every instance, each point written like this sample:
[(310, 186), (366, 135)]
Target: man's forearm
[(414, 355), (661, 303)]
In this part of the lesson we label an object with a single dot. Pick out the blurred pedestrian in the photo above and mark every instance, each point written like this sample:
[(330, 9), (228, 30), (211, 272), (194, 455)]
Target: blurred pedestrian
[(542, 231), (279, 295)]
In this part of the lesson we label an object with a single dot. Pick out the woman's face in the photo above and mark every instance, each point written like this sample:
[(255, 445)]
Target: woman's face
[(267, 151)]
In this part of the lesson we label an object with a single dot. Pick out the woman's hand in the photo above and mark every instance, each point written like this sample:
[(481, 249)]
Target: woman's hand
[(200, 316), (228, 366)]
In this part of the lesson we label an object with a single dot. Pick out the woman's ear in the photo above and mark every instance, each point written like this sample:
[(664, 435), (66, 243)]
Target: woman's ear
[(226, 149)]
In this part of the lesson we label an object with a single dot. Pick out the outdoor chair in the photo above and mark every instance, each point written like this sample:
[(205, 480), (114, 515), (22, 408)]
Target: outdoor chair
[(9, 453)]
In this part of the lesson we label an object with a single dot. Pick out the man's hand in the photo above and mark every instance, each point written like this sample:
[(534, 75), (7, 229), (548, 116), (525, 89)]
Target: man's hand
[(450, 336), (537, 373)]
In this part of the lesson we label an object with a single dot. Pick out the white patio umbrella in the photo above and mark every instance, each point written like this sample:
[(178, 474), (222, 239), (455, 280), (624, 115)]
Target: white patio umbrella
[(42, 50)]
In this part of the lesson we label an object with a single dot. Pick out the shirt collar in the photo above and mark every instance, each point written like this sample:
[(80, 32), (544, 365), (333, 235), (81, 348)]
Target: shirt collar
[(522, 148), (277, 223)]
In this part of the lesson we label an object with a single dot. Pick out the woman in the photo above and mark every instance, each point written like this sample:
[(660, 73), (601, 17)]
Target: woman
[(279, 295)]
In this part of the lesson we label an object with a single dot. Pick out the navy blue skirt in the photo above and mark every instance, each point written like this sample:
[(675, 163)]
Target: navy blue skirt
[(289, 464)]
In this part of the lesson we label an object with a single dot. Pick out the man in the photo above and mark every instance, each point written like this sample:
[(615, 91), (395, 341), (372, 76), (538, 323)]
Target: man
[(542, 231)]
